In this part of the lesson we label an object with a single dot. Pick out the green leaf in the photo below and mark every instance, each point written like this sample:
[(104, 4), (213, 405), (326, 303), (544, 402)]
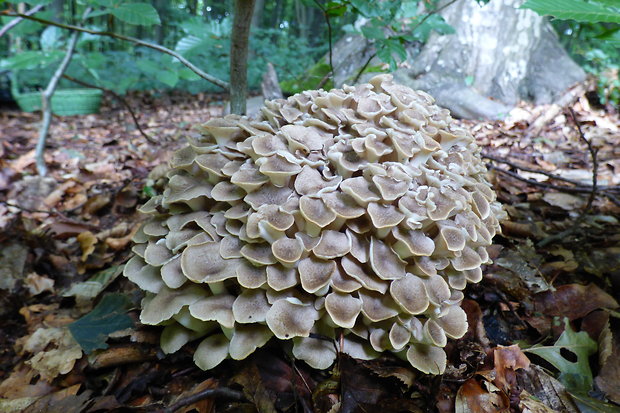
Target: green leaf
[(30, 59), (575, 375), (578, 10), (373, 32), (587, 404), (168, 77), (388, 48), (136, 13), (92, 330)]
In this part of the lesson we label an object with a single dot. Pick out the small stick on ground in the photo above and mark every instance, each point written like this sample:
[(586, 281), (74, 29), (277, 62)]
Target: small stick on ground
[(220, 393), (593, 190)]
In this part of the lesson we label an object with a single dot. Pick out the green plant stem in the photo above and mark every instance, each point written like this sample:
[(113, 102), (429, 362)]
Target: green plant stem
[(154, 46)]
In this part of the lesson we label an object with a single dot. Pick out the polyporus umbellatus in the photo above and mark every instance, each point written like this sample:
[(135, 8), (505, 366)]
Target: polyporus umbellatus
[(358, 214)]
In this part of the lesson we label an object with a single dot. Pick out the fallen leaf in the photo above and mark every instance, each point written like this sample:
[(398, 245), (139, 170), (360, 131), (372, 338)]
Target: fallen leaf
[(608, 379), (87, 242), (110, 315), (507, 360), (473, 398), (530, 404), (575, 374), (254, 390), (573, 301), (37, 284), (563, 200), (55, 352)]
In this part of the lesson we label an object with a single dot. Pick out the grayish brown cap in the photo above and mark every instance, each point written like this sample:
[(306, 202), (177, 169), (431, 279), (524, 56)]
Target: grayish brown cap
[(377, 307), (343, 309), (211, 351), (258, 254), (315, 273), (156, 253), (251, 276), (250, 306), (281, 278), (202, 263), (399, 336), (332, 244), (168, 302), (317, 352), (246, 339), (290, 318), (384, 261), (172, 274), (454, 322), (310, 182), (357, 271), (287, 250), (146, 276), (409, 292), (215, 308), (427, 358)]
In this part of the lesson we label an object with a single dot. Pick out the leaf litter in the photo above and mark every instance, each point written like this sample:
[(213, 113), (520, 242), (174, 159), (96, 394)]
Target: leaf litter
[(544, 327)]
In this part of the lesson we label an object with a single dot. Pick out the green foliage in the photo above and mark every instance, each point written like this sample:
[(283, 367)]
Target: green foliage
[(575, 375), (134, 13), (395, 23), (110, 315), (591, 34), (595, 11)]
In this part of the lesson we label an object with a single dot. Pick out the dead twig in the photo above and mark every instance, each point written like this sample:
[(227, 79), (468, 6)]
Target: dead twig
[(593, 189), (219, 393), (120, 99)]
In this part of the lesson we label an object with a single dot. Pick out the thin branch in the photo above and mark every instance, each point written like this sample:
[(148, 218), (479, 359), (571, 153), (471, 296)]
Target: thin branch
[(549, 174), (359, 72), (329, 38), (18, 20), (120, 99), (593, 153), (220, 393), (154, 46), (46, 101), (593, 189)]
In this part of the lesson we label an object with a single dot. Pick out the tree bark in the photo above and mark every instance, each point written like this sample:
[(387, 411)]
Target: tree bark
[(499, 54), (242, 21)]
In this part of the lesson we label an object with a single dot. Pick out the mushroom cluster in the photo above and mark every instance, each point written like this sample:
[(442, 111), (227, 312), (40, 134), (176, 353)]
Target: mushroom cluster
[(348, 220)]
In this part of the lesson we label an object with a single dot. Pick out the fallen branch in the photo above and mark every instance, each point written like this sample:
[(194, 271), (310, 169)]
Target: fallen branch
[(117, 97), (154, 46), (18, 20), (220, 393)]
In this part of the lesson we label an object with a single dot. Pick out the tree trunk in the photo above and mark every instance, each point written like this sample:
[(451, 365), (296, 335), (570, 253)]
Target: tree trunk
[(242, 21), (500, 54)]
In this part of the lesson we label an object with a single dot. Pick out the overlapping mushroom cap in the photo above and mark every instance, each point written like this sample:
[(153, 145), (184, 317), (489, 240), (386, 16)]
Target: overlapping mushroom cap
[(361, 211)]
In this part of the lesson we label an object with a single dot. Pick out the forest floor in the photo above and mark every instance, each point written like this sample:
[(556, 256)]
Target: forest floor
[(544, 326)]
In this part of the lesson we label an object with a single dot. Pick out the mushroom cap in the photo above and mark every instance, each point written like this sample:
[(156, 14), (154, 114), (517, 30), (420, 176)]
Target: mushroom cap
[(289, 318), (363, 209)]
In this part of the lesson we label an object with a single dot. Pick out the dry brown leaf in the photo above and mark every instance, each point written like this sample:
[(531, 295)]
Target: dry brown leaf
[(87, 242), (37, 284), (55, 351), (473, 398), (507, 360)]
